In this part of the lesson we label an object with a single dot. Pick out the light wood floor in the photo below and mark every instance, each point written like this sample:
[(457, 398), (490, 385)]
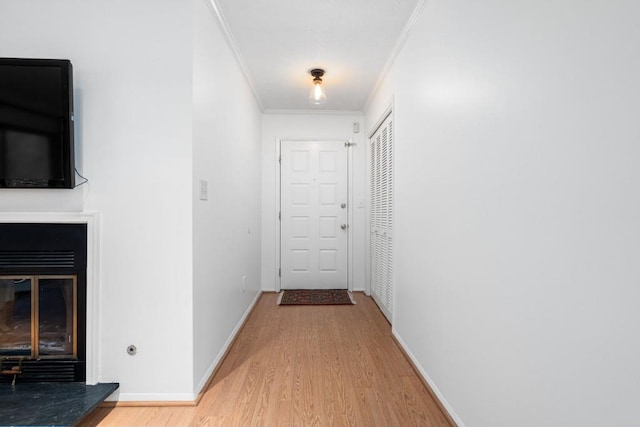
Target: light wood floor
[(303, 366)]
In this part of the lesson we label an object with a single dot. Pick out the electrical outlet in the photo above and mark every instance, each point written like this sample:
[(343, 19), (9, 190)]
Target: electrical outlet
[(204, 190)]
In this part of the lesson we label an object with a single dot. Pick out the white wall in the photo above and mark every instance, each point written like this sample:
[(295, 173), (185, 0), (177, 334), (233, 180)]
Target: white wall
[(302, 126), (133, 94), (516, 261), (226, 227)]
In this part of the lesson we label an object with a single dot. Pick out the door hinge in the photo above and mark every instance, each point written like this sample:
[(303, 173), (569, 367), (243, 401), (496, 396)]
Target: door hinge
[(279, 216), (279, 272), (280, 159)]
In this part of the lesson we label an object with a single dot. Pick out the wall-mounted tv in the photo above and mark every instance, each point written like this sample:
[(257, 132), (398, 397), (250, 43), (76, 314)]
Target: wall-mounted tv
[(36, 123)]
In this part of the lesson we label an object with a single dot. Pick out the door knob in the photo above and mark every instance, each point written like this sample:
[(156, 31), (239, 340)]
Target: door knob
[(344, 205), (343, 226)]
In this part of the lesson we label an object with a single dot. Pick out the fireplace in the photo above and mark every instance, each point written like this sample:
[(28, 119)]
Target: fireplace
[(43, 276)]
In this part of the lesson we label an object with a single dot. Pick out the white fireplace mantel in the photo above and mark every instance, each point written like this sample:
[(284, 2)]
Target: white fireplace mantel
[(92, 219)]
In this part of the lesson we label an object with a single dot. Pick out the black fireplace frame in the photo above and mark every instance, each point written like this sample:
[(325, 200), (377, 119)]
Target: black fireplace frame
[(48, 249)]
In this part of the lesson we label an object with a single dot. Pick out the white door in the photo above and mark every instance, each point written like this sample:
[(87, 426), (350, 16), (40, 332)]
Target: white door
[(313, 204), (381, 215)]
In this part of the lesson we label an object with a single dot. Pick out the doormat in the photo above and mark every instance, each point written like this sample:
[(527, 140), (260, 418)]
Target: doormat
[(315, 297)]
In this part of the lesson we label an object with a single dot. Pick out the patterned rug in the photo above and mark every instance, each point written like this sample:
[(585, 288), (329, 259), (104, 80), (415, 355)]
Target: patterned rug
[(315, 297)]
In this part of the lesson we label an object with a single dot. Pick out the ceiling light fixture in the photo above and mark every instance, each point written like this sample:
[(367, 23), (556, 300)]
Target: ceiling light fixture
[(317, 95)]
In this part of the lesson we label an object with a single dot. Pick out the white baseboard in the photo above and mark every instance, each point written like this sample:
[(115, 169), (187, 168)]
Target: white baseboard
[(428, 379), (187, 398), (225, 347)]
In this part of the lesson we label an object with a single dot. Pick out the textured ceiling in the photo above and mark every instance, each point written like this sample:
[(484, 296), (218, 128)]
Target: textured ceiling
[(279, 41)]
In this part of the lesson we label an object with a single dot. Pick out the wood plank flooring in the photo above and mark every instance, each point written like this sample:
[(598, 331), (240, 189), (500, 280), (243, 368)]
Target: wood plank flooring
[(302, 366)]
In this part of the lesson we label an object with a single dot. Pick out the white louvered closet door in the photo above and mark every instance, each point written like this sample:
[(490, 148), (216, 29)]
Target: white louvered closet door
[(381, 215)]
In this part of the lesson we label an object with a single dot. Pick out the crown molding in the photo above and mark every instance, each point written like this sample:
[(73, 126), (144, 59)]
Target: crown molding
[(275, 111), (402, 39), (216, 11)]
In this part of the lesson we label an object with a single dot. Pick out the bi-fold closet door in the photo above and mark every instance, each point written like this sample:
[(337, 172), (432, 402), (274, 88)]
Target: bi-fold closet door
[(381, 214)]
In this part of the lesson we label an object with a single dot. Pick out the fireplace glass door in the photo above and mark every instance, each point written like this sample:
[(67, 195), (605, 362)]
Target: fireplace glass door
[(38, 316)]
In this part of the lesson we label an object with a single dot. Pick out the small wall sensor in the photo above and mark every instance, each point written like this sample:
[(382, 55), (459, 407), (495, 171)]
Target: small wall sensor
[(356, 127), (132, 350)]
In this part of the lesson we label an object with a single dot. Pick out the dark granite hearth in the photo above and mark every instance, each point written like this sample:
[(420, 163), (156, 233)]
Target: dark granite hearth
[(50, 404)]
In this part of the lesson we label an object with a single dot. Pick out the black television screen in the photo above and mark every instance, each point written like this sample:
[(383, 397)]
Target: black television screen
[(36, 123)]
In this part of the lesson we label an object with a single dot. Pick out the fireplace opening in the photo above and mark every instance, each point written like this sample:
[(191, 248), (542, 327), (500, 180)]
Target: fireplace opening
[(38, 316), (42, 302)]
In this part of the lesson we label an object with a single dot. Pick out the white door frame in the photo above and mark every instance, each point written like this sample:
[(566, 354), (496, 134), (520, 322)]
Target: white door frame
[(350, 206)]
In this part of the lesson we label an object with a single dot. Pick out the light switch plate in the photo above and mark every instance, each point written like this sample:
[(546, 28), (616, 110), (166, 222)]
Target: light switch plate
[(204, 190)]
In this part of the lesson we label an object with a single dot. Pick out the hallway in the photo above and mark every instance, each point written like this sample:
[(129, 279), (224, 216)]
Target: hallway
[(303, 366)]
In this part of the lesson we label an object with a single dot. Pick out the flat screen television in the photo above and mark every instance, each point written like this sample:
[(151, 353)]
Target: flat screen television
[(36, 123)]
